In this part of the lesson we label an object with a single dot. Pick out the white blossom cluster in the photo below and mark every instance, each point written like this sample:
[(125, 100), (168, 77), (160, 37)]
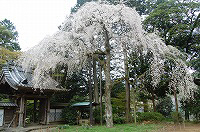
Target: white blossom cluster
[(83, 34)]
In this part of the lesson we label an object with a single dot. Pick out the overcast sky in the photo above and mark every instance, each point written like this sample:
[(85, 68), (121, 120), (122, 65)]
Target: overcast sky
[(35, 19)]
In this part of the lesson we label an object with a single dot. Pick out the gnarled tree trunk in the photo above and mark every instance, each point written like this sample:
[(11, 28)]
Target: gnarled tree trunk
[(108, 106)]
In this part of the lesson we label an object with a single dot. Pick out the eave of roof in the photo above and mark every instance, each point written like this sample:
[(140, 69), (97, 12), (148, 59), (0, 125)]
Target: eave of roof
[(16, 78), (79, 104)]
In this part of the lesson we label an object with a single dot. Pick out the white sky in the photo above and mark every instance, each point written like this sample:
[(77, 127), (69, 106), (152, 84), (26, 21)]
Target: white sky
[(35, 19)]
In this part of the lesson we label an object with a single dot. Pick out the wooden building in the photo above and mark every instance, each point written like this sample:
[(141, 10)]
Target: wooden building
[(7, 110), (17, 84)]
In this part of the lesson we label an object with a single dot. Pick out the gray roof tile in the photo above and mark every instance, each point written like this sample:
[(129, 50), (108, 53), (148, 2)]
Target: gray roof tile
[(6, 104)]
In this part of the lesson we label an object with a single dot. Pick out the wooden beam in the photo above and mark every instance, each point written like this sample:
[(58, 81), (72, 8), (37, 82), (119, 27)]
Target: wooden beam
[(32, 97)]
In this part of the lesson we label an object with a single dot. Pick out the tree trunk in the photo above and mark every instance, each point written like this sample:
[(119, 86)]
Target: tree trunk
[(187, 113), (65, 76), (153, 101), (108, 106), (101, 115), (145, 103), (90, 92), (176, 100), (134, 106), (127, 84), (96, 91)]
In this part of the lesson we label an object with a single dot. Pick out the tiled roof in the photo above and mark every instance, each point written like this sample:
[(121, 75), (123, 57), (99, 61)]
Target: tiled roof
[(8, 104), (16, 77)]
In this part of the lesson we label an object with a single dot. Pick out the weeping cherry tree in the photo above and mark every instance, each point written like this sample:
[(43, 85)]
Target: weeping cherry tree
[(109, 31)]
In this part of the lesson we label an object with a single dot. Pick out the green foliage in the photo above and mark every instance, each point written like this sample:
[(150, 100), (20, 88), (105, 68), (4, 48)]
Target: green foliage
[(164, 106), (79, 4), (140, 71), (195, 63), (29, 111), (118, 98), (143, 7), (77, 87), (177, 117), (66, 126), (150, 116), (3, 97), (8, 35), (97, 116), (118, 104), (6, 55), (177, 23), (192, 105), (118, 119), (117, 88), (69, 114)]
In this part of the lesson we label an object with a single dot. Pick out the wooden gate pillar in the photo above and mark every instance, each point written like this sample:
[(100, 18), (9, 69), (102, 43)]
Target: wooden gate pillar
[(48, 110), (24, 116), (21, 112)]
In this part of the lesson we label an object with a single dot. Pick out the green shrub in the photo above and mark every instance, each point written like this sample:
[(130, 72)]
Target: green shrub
[(149, 116), (97, 116), (164, 106), (118, 120), (177, 117), (69, 114), (66, 126)]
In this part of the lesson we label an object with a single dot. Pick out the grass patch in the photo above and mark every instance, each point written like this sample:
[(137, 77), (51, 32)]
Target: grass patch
[(116, 128)]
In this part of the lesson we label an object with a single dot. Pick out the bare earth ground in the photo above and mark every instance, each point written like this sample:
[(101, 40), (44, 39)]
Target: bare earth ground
[(179, 128)]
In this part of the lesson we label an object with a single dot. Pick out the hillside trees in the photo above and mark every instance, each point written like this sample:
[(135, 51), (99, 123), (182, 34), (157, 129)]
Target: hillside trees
[(8, 42), (8, 35)]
